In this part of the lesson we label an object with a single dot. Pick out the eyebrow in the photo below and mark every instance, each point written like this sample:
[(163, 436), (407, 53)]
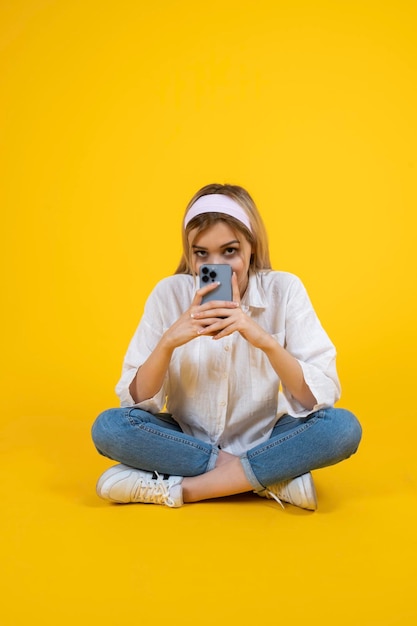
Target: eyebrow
[(224, 245)]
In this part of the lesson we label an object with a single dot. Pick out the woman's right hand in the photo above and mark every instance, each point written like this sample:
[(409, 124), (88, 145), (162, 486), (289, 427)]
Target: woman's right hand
[(188, 327)]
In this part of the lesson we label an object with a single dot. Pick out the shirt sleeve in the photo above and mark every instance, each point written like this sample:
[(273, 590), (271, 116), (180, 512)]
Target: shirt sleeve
[(142, 344), (308, 342)]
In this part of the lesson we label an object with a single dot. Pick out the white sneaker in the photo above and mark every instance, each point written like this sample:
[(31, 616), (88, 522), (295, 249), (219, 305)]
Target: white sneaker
[(299, 491), (125, 484)]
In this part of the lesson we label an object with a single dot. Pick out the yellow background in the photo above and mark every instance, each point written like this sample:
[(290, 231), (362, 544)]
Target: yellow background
[(112, 115)]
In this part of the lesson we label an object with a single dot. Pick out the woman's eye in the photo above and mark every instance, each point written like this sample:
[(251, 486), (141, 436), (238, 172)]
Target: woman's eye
[(201, 253), (230, 251)]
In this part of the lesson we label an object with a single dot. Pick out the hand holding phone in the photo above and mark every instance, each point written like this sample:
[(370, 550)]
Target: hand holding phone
[(216, 273)]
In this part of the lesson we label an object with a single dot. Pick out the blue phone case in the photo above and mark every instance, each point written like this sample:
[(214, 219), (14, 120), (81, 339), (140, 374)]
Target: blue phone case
[(213, 273)]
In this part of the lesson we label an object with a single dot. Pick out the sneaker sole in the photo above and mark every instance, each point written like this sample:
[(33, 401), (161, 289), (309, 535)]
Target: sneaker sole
[(112, 471), (310, 495)]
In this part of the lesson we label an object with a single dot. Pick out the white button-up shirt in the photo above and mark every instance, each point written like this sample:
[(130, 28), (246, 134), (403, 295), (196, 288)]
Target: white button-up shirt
[(226, 392)]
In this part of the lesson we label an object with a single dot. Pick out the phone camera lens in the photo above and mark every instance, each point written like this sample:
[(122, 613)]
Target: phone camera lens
[(205, 278), (205, 270), (213, 274)]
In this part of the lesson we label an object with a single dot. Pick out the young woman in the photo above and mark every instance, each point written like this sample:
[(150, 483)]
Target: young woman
[(225, 397)]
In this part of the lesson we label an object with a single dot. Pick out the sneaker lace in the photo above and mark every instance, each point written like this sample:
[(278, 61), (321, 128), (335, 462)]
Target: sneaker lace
[(153, 491), (274, 497)]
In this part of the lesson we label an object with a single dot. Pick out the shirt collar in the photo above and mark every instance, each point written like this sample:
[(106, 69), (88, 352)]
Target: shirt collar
[(254, 296)]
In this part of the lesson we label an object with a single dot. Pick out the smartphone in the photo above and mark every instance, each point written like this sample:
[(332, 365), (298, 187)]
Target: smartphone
[(217, 273)]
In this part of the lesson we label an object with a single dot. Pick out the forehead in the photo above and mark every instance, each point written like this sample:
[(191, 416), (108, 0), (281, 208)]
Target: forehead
[(216, 234)]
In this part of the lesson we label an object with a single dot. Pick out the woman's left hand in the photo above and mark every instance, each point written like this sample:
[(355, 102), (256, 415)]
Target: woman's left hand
[(222, 322)]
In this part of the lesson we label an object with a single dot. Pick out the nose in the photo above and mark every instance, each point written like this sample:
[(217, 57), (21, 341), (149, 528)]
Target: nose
[(216, 258)]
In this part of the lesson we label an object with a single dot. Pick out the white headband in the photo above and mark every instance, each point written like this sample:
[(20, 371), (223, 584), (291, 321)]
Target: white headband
[(217, 203)]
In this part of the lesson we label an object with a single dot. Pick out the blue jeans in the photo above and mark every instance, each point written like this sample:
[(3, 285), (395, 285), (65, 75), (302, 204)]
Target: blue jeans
[(296, 446)]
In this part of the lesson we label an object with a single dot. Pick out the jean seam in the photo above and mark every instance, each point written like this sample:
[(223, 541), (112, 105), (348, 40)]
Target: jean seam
[(281, 440), (170, 437), (211, 464), (250, 474), (165, 435)]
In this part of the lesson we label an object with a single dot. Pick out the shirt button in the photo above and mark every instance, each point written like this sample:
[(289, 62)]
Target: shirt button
[(226, 348), (223, 403)]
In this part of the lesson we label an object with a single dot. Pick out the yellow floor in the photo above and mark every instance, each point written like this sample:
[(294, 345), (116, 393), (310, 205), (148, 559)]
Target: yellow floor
[(112, 115), (70, 558)]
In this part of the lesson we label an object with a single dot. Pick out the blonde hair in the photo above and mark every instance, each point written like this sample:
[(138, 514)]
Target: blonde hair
[(257, 238)]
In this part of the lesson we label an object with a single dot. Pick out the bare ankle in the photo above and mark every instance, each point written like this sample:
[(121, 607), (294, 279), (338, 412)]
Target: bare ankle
[(224, 457)]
